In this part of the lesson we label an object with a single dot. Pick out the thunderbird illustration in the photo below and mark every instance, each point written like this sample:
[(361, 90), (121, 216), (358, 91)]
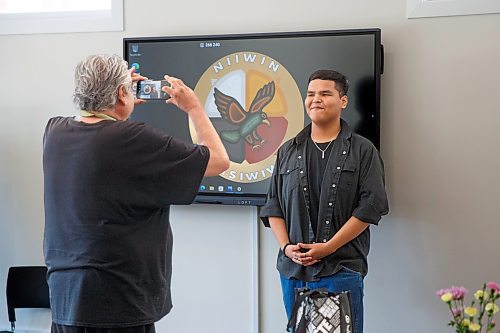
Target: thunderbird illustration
[(247, 121)]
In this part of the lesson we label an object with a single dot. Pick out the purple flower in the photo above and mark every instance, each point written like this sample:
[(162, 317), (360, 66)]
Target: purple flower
[(441, 292), (458, 292), (493, 285)]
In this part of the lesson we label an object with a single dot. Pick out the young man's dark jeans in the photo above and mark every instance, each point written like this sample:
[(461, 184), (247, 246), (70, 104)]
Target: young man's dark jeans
[(344, 280)]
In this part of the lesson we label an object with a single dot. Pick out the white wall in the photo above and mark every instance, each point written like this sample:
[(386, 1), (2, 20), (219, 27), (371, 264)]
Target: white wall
[(440, 142)]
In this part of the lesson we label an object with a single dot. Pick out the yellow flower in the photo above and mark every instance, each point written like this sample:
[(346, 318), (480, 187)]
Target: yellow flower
[(474, 327), (479, 294), (491, 308), (446, 297), (470, 311), (466, 322)]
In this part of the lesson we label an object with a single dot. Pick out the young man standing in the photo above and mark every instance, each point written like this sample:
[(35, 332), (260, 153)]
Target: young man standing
[(327, 188)]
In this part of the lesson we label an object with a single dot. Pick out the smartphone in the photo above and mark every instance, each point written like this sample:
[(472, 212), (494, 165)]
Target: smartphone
[(151, 89)]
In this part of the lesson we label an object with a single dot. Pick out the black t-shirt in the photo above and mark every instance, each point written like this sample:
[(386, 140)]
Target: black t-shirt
[(108, 242), (316, 164)]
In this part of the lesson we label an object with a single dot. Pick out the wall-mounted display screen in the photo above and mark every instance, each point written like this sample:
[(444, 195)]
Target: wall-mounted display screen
[(253, 87)]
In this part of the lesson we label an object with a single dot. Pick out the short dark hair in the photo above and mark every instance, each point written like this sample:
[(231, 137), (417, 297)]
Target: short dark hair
[(340, 80)]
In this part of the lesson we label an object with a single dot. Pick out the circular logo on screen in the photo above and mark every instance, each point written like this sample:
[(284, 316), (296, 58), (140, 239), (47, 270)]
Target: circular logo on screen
[(255, 106)]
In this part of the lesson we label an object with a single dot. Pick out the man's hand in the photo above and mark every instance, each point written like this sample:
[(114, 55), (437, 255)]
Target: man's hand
[(294, 252), (137, 77), (181, 95), (316, 251)]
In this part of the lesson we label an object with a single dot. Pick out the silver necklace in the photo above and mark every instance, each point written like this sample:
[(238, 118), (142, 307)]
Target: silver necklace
[(323, 150)]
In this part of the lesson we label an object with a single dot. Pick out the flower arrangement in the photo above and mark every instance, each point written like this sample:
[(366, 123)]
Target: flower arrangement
[(477, 316)]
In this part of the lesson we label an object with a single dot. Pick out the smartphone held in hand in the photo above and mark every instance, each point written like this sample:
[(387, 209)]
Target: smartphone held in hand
[(151, 89)]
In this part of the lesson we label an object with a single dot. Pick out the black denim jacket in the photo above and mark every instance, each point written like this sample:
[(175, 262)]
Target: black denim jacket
[(353, 185)]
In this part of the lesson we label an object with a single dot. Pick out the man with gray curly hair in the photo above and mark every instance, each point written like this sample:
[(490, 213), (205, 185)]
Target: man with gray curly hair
[(108, 187), (97, 80)]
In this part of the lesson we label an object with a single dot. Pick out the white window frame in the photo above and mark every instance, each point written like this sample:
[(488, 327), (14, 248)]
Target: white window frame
[(62, 22), (432, 8)]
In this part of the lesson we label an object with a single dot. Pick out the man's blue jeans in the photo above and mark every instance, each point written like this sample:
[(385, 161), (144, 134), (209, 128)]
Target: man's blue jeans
[(344, 280)]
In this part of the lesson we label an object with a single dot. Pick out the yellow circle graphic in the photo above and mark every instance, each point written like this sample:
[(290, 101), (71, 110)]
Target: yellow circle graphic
[(255, 106)]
